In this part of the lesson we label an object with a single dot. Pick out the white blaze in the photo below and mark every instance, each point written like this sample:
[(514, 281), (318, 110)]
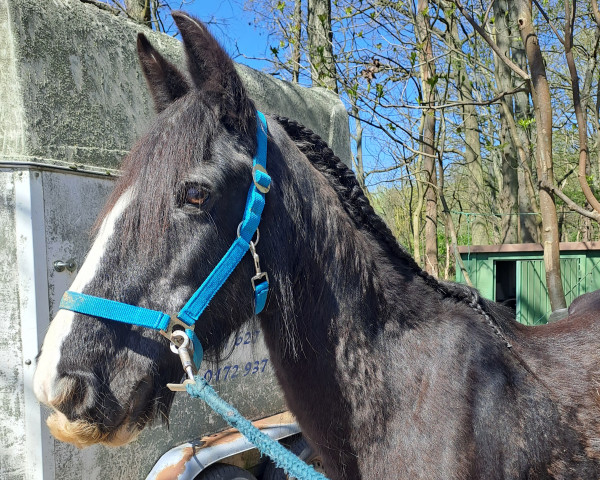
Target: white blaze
[(60, 326)]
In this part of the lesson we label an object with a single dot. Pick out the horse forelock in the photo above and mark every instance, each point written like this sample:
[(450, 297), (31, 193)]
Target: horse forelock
[(179, 138)]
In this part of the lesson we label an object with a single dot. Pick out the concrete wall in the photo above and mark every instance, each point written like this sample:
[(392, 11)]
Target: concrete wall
[(72, 102)]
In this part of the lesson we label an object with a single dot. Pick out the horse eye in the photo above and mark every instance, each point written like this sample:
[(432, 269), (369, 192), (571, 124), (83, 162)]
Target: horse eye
[(194, 195)]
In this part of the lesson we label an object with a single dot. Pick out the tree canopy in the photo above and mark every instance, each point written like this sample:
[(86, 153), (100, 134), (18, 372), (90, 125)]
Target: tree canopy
[(472, 121)]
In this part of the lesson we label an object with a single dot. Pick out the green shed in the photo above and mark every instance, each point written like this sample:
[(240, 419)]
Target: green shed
[(513, 274)]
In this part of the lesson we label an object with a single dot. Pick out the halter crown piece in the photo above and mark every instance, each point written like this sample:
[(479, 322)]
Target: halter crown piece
[(190, 313)]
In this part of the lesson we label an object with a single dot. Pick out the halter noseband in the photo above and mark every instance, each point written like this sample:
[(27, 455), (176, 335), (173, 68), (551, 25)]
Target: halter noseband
[(190, 313)]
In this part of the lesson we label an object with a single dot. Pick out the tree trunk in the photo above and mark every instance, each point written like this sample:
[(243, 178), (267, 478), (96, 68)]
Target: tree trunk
[(596, 164), (471, 128), (529, 224), (509, 188), (358, 159), (320, 47), (416, 214), (431, 197), (428, 138), (296, 39), (580, 112), (543, 115), (139, 11)]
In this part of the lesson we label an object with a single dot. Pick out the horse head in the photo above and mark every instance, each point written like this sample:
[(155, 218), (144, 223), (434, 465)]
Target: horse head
[(170, 219)]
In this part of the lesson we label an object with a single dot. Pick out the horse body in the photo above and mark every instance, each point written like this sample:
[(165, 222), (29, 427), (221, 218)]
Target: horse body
[(395, 387), (391, 373)]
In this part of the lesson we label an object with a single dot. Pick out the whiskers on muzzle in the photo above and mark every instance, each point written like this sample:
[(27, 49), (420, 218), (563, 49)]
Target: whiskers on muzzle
[(85, 415), (84, 434), (75, 393), (87, 412)]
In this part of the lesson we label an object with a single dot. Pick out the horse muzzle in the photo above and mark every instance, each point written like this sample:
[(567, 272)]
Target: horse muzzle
[(84, 434), (88, 422)]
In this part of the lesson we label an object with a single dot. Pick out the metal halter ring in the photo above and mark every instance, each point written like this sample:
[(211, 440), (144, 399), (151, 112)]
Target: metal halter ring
[(174, 325), (239, 232), (185, 355)]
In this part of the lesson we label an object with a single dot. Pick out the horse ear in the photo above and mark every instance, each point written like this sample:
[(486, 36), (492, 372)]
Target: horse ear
[(166, 83), (213, 72)]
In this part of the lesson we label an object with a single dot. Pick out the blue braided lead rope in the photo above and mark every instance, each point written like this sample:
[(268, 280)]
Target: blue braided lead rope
[(282, 457)]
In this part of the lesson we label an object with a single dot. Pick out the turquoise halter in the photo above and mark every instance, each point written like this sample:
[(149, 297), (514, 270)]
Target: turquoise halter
[(190, 313)]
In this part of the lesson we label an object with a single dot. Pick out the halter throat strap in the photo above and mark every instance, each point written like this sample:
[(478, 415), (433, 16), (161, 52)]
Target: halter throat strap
[(192, 310)]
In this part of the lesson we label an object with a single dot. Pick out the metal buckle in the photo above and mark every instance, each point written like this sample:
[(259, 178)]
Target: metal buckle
[(258, 186), (261, 276)]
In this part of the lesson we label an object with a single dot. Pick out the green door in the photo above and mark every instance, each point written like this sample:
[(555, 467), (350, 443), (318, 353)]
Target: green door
[(533, 305)]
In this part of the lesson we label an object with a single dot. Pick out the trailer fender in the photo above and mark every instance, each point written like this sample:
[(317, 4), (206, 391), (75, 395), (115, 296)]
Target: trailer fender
[(187, 460)]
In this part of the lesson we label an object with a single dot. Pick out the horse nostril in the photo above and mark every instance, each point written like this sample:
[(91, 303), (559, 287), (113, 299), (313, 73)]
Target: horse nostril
[(75, 394)]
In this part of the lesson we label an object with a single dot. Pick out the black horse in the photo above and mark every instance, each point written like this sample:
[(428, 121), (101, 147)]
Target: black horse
[(390, 372)]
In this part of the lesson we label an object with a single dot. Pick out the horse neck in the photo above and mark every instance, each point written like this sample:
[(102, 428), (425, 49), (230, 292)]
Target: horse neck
[(336, 281), (337, 290), (343, 279)]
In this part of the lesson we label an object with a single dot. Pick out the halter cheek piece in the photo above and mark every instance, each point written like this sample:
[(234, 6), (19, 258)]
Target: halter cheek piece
[(190, 313)]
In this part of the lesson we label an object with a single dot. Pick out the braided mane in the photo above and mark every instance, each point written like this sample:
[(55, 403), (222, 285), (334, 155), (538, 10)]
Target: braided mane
[(358, 207)]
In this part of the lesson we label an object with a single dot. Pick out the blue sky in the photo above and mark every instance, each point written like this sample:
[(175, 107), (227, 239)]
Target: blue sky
[(234, 27), (246, 42)]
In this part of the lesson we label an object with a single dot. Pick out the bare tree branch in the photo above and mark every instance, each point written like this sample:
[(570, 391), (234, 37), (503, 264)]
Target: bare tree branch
[(570, 203), (551, 24), (514, 67), (482, 103), (102, 6)]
